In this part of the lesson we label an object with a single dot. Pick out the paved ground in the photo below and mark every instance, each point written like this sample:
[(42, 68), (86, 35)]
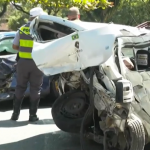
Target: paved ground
[(43, 135)]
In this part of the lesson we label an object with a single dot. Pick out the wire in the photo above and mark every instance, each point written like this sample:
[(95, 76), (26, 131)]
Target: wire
[(89, 110)]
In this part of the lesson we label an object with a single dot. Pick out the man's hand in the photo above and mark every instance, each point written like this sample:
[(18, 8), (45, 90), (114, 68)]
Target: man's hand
[(15, 47)]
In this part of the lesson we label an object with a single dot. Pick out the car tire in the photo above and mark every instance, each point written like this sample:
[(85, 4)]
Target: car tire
[(68, 111), (136, 132)]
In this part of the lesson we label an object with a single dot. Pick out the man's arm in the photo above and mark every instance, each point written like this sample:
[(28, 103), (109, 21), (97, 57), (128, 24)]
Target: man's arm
[(15, 45)]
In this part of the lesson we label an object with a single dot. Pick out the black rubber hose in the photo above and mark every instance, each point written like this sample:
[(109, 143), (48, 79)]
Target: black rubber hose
[(89, 110)]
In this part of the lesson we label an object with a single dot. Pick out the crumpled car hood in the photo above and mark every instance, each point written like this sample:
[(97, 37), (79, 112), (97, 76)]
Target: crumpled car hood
[(62, 55), (95, 47)]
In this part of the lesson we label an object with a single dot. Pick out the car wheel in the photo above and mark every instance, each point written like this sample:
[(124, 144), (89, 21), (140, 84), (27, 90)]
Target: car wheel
[(68, 111), (136, 138)]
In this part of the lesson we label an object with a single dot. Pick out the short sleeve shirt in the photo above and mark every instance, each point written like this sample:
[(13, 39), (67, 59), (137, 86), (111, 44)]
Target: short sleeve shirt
[(16, 39)]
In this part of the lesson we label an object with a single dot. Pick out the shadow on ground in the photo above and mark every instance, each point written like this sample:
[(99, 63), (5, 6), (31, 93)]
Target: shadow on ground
[(51, 141), (44, 103), (12, 124)]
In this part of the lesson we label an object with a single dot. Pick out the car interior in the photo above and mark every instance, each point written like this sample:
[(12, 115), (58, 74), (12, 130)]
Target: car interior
[(139, 77), (139, 58), (49, 31)]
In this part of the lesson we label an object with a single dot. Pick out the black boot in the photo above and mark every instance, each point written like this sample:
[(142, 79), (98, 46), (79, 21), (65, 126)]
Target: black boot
[(16, 109), (33, 110)]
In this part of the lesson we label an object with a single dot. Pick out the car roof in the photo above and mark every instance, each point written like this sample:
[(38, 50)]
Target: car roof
[(7, 34), (82, 25)]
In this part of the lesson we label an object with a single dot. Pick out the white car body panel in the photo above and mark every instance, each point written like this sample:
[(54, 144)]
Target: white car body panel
[(96, 43), (62, 56)]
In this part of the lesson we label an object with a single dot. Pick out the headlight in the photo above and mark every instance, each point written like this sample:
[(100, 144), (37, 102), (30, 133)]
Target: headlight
[(124, 91)]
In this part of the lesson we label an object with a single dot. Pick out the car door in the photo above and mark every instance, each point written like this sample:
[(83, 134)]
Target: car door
[(44, 30)]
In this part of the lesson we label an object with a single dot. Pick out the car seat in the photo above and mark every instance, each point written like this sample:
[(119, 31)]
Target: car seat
[(143, 59)]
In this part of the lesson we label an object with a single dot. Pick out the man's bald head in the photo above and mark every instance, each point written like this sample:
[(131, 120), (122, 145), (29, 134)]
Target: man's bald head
[(73, 13)]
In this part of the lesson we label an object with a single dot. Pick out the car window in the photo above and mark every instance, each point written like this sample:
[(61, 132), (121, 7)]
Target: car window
[(11, 40), (52, 31), (1, 36), (6, 41), (127, 52)]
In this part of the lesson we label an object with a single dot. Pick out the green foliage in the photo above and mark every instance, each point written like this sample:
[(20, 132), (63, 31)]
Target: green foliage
[(130, 12), (17, 20), (3, 1), (84, 4), (53, 7), (3, 7)]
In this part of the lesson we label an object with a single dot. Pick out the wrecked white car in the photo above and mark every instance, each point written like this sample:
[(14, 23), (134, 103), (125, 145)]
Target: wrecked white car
[(103, 79)]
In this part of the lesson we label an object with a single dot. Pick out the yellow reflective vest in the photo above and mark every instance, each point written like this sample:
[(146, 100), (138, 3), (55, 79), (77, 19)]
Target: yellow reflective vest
[(26, 42)]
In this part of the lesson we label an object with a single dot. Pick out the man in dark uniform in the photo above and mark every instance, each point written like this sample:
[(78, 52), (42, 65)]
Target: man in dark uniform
[(27, 71)]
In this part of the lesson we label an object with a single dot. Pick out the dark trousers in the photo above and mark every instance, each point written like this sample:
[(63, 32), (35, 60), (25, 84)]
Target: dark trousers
[(27, 71)]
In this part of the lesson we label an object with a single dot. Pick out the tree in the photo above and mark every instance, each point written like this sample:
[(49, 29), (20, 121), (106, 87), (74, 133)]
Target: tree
[(56, 5), (130, 12), (100, 14), (3, 7), (53, 7), (19, 17), (16, 20)]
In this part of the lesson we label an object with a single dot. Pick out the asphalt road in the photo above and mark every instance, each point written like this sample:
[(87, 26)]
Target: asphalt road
[(42, 135)]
